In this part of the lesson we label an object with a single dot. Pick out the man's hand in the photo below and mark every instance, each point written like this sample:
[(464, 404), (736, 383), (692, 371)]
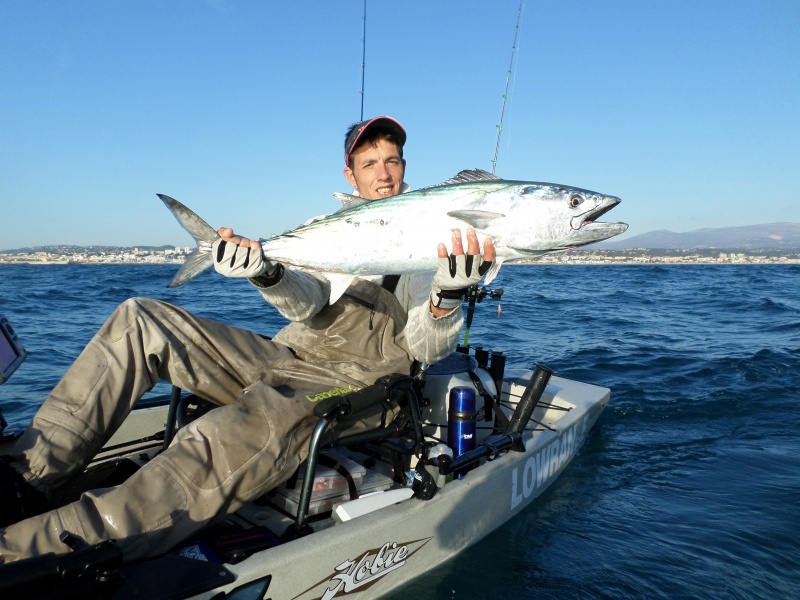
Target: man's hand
[(236, 256), (458, 271)]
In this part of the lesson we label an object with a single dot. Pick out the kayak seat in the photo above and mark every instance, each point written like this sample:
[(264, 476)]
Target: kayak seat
[(396, 440), (399, 438)]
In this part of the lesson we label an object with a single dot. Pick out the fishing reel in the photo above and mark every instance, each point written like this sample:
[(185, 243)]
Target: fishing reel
[(480, 292)]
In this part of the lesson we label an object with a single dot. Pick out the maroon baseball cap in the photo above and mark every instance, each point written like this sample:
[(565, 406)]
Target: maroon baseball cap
[(358, 130)]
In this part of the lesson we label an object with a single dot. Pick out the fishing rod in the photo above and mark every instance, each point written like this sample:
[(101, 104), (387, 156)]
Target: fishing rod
[(476, 295), (363, 58), (508, 79)]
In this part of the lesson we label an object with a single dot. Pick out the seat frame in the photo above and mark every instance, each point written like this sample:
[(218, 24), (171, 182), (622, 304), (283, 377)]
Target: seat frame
[(402, 437)]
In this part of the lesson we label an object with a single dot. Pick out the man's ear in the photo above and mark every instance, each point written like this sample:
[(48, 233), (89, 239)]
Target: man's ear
[(348, 173)]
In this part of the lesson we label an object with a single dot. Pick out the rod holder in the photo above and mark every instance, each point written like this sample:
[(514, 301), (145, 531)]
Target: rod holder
[(530, 398)]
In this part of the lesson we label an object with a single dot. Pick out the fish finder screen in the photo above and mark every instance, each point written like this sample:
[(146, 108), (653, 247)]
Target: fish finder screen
[(8, 354)]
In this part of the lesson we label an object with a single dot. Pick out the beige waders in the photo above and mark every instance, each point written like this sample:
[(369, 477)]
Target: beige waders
[(255, 440)]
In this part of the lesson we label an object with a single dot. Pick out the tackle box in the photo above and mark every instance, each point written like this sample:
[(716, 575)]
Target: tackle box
[(324, 498), (327, 480)]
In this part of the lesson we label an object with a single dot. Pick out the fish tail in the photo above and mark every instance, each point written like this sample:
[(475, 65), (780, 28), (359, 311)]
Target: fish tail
[(200, 259)]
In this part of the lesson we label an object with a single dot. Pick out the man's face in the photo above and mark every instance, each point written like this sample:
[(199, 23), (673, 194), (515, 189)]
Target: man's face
[(377, 170)]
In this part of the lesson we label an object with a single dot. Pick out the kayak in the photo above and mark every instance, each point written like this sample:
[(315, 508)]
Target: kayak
[(368, 522)]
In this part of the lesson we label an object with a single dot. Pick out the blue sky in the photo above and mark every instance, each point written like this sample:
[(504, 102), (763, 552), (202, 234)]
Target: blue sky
[(689, 110)]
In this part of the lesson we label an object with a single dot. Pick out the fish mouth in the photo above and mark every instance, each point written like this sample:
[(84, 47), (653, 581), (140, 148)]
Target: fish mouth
[(594, 230)]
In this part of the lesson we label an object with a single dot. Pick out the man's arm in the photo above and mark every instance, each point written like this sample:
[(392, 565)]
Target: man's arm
[(430, 338), (296, 294), (434, 301)]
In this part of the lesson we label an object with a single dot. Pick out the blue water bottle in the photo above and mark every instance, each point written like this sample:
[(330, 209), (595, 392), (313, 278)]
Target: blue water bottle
[(461, 422)]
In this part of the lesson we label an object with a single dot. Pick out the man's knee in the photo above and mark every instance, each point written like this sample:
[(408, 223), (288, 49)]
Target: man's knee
[(141, 306), (220, 444), (132, 312)]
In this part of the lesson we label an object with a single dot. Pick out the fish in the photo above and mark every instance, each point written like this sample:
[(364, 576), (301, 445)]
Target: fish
[(400, 234)]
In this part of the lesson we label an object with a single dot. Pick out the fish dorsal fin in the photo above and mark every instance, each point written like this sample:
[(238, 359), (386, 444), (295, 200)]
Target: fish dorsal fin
[(469, 176), (472, 175), (479, 219), (339, 284), (349, 200)]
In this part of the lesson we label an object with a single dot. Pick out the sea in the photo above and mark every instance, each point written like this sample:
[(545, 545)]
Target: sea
[(688, 486)]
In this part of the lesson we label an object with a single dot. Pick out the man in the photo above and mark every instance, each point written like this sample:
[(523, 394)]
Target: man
[(259, 434)]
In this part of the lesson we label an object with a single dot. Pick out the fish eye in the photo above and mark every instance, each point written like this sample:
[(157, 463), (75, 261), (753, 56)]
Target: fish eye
[(575, 200)]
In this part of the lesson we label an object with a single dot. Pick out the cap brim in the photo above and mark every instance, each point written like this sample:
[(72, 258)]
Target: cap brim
[(384, 122)]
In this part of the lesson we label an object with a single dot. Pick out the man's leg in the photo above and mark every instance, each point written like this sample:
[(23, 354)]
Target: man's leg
[(217, 463), (143, 341)]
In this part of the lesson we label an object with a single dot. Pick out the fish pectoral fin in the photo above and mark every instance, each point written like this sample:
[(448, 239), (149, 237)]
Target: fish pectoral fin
[(479, 219), (492, 272), (339, 284), (349, 200)]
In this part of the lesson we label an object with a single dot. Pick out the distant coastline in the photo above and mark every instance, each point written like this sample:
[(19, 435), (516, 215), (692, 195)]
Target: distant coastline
[(95, 255), (73, 255), (770, 243)]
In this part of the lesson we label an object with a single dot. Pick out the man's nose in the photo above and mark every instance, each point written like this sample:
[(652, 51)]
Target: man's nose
[(383, 172)]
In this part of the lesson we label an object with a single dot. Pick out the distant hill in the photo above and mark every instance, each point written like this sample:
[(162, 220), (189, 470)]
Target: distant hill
[(770, 235)]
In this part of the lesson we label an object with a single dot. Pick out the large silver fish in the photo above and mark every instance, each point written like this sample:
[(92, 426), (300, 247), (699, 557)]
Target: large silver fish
[(399, 234)]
